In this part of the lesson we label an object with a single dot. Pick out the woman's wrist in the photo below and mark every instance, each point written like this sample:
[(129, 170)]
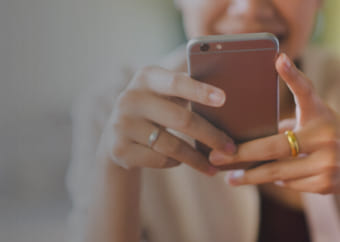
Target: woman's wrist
[(107, 165), (104, 158), (114, 213)]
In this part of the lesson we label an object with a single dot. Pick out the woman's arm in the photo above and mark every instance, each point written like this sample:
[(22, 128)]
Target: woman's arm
[(114, 211)]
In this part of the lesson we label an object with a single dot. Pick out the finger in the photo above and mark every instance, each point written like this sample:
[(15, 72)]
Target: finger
[(322, 184), (263, 149), (310, 138), (175, 84), (173, 116), (302, 88), (288, 169), (139, 130), (179, 101), (141, 156)]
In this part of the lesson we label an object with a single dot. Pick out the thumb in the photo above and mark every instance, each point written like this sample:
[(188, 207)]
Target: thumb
[(305, 96)]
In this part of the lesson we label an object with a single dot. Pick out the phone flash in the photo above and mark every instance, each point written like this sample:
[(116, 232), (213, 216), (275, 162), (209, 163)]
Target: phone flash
[(219, 46)]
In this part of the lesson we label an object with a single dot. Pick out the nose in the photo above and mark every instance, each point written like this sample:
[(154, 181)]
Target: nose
[(252, 9)]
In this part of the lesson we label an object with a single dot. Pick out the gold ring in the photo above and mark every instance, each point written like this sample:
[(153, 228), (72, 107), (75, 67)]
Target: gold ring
[(293, 143), (153, 137)]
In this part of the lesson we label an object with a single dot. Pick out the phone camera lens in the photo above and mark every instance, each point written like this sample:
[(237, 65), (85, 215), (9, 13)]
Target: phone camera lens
[(205, 47)]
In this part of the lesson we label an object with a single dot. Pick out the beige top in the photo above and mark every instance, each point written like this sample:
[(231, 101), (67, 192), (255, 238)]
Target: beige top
[(180, 204)]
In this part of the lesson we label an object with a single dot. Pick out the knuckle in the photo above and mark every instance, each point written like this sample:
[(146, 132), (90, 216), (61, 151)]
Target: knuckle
[(128, 98)]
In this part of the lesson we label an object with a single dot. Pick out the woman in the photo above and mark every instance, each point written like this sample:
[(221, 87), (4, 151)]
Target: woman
[(146, 124)]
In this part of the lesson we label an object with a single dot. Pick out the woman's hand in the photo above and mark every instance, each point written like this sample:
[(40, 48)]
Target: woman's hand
[(317, 128), (154, 100)]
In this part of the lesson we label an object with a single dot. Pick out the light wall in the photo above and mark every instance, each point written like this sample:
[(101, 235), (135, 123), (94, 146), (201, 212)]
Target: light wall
[(50, 50), (331, 34)]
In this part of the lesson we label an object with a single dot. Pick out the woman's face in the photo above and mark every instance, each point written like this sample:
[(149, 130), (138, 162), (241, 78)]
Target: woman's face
[(291, 20)]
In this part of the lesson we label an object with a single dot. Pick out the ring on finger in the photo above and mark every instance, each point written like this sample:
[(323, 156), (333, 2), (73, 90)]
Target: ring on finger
[(153, 137), (293, 143)]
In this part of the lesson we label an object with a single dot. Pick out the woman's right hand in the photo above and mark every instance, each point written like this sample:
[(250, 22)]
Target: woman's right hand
[(154, 99)]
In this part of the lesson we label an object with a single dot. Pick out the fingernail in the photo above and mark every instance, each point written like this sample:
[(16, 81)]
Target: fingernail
[(227, 177), (279, 183), (287, 62), (217, 157), (236, 176), (217, 97)]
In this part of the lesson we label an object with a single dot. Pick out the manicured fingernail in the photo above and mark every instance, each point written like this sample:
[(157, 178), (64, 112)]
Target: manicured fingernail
[(227, 177), (279, 183), (236, 176), (217, 97)]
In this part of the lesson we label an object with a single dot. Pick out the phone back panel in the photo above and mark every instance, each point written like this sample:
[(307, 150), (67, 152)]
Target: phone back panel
[(244, 67)]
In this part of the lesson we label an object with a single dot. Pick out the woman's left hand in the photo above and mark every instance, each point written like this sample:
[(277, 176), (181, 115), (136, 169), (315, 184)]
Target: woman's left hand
[(317, 129)]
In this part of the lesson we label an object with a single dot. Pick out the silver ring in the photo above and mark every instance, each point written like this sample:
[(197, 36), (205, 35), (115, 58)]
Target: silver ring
[(153, 137)]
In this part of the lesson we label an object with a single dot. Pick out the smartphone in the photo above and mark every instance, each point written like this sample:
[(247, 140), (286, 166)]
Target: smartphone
[(243, 65)]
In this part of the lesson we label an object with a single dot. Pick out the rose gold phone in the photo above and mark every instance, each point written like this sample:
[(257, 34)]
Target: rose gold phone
[(244, 67)]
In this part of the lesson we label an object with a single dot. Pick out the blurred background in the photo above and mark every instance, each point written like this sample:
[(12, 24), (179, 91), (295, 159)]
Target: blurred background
[(49, 52), (330, 35)]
